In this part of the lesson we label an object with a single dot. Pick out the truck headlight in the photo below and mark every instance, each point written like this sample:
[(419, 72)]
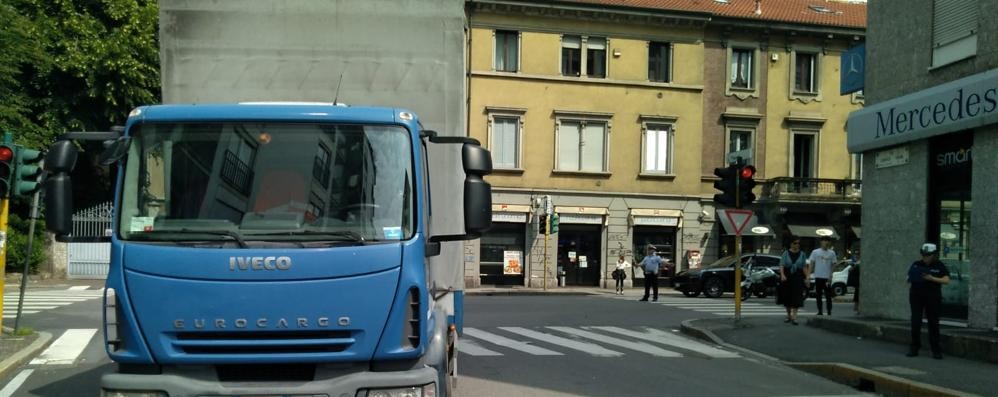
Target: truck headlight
[(429, 390), (133, 393)]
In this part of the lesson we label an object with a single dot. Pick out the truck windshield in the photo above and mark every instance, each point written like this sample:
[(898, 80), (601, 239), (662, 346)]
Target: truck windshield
[(247, 181)]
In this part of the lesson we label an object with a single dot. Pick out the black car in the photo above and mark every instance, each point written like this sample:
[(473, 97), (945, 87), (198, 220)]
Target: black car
[(717, 278)]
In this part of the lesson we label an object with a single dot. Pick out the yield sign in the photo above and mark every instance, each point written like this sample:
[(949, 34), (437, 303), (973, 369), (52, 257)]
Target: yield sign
[(737, 219)]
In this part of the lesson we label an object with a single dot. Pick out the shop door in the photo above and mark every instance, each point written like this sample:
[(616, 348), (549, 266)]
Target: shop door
[(579, 254), (503, 254)]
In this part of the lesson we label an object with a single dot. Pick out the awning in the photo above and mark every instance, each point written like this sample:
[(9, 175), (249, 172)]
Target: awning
[(580, 210), (753, 228), (581, 215), (813, 231), (511, 213), (856, 230), (656, 217)]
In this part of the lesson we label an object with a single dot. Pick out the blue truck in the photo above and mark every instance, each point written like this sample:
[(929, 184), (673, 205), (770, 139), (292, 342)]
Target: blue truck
[(275, 249), (269, 241)]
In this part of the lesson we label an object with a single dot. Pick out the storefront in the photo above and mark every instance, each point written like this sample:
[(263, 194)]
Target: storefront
[(503, 247), (924, 152), (580, 248), (658, 228)]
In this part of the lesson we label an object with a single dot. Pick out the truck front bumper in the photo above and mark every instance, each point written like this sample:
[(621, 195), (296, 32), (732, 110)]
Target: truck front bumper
[(202, 381)]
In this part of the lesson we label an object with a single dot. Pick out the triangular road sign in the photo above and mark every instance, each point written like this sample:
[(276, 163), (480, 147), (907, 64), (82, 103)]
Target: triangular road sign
[(737, 219)]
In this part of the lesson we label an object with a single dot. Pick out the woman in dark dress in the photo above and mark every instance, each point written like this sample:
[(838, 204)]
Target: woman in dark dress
[(794, 278)]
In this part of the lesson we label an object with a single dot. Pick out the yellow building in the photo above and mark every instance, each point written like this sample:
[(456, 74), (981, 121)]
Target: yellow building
[(613, 118)]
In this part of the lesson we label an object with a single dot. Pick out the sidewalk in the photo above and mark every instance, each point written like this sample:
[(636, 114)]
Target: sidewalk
[(866, 353)]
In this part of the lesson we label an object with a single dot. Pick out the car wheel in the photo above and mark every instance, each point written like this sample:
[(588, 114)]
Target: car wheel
[(839, 289), (691, 294), (713, 288)]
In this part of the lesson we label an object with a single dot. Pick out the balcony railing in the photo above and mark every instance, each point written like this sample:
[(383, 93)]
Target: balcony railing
[(812, 189)]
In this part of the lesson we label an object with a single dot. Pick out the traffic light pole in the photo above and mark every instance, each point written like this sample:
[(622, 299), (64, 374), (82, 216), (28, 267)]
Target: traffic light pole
[(738, 249), (547, 232), (4, 207), (27, 258)]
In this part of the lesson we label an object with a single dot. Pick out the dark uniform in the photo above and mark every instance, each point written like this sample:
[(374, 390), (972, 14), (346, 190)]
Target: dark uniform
[(925, 296)]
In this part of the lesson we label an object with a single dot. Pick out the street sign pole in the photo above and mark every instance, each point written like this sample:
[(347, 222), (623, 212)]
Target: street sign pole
[(4, 208), (738, 247), (27, 258), (737, 219)]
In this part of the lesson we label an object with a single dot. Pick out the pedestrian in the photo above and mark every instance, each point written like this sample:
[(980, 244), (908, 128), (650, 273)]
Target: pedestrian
[(926, 277), (793, 279), (853, 280), (650, 264), (620, 273), (820, 262)]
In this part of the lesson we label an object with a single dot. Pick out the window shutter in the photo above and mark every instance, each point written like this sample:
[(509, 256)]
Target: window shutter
[(953, 20)]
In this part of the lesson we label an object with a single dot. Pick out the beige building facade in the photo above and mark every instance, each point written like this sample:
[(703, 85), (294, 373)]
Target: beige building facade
[(613, 118)]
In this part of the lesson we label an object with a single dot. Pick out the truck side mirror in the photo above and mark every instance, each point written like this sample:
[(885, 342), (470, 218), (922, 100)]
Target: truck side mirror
[(59, 162), (477, 193), (114, 150)]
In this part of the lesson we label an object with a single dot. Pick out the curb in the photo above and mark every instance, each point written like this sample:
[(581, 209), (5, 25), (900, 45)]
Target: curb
[(843, 373), (20, 357), (526, 293)]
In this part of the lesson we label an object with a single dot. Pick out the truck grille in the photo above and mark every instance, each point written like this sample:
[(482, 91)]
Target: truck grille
[(263, 342)]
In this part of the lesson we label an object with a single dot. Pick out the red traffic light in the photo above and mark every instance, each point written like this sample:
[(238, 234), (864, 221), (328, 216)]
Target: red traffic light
[(748, 172), (6, 153)]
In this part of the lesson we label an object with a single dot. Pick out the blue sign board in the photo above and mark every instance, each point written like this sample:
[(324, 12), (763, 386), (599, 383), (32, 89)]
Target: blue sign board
[(852, 68)]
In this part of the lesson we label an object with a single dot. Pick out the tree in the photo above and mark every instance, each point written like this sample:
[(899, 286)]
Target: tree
[(76, 65)]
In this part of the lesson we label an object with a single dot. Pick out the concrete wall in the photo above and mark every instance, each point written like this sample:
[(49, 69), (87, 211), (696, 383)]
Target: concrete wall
[(895, 208), (984, 231)]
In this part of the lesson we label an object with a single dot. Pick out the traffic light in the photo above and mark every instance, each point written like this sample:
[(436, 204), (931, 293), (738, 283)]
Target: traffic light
[(745, 186), (26, 171), (554, 223), (727, 185), (543, 228), (6, 169)]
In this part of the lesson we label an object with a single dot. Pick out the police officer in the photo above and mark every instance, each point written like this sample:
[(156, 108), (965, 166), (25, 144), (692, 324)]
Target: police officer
[(926, 277)]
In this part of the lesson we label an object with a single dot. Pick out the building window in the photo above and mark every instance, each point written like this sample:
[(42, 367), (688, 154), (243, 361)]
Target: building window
[(237, 166), (954, 30), (507, 48), (806, 73), (505, 144), (571, 56), (739, 139), (658, 149), (315, 208), (321, 166), (596, 57), (576, 62), (742, 68), (804, 154), (659, 59), (582, 145)]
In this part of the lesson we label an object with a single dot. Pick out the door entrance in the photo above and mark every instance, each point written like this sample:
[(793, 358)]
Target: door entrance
[(579, 254)]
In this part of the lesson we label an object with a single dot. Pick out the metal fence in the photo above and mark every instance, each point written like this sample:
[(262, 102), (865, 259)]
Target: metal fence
[(813, 189), (90, 260)]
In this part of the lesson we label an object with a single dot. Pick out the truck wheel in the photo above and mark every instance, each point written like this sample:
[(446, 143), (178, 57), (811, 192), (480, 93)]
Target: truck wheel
[(839, 289), (448, 369), (713, 287)]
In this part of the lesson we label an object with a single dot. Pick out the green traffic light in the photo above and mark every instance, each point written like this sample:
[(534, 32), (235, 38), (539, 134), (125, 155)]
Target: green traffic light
[(26, 170)]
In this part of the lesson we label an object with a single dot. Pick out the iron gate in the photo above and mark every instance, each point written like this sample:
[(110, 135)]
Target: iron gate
[(90, 260)]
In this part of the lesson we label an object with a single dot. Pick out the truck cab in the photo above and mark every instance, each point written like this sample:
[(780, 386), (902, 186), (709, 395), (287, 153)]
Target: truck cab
[(275, 249)]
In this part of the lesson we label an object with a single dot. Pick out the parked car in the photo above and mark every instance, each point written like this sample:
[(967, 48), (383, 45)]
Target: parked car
[(840, 277), (717, 278)]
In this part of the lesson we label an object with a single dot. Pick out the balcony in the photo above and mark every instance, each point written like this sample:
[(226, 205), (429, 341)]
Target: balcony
[(786, 189)]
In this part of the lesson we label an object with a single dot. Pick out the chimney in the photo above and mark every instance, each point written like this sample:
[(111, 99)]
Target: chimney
[(758, 7)]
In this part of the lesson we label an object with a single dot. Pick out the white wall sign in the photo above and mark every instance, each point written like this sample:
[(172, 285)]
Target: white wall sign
[(892, 157), (509, 217), (655, 221), (588, 219), (512, 262)]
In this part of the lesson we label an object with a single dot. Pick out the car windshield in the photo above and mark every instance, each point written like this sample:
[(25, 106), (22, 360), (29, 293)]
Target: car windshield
[(246, 181), (723, 262)]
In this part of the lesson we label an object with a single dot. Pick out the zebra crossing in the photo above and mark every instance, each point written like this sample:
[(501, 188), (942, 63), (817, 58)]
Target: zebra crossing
[(720, 306), (40, 300), (597, 341)]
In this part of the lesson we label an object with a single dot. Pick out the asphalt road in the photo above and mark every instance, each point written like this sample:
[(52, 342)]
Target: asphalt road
[(603, 345)]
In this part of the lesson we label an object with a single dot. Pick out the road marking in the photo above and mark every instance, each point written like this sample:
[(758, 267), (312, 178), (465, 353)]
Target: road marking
[(665, 338), (585, 347), (472, 348), (612, 340), (67, 348), (15, 383), (512, 344), (79, 287), (13, 313)]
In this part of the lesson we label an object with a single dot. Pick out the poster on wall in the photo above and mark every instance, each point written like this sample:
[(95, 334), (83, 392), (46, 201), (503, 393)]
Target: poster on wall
[(693, 258), (511, 262), (583, 262)]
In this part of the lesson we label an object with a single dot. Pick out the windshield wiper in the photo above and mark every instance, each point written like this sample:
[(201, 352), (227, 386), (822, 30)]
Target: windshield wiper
[(345, 235), (220, 232)]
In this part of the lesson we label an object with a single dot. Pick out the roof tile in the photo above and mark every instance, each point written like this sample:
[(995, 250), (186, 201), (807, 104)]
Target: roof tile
[(808, 12)]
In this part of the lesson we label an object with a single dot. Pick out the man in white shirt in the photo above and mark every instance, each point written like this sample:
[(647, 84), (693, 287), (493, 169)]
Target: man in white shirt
[(820, 263)]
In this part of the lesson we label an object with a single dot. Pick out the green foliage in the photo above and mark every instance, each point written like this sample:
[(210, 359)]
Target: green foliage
[(24, 331), (17, 243), (75, 65)]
